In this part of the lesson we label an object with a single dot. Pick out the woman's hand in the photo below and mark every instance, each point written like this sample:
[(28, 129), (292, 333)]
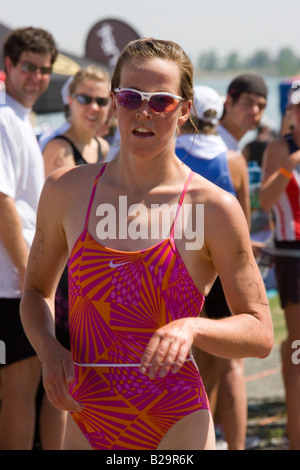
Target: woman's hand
[(58, 373), (168, 348)]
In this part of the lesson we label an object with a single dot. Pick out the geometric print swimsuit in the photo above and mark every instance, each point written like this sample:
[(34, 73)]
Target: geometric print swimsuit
[(117, 300)]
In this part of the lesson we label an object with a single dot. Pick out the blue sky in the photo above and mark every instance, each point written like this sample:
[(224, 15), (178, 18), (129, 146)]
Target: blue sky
[(225, 26)]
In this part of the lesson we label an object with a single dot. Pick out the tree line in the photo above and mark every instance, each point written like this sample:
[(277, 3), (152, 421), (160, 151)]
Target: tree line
[(285, 62)]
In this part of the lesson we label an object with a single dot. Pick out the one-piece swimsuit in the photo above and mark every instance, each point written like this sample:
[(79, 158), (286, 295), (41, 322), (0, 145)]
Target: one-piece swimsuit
[(117, 300)]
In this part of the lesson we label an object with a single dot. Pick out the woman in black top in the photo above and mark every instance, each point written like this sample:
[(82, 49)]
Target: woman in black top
[(89, 105)]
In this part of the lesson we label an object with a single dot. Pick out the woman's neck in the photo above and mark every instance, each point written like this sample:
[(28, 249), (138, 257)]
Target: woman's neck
[(144, 175)]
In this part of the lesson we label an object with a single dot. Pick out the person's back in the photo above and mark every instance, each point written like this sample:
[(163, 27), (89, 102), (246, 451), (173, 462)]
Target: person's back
[(198, 144), (206, 155)]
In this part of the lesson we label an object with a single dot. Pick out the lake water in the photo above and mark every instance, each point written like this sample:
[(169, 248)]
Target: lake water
[(220, 84)]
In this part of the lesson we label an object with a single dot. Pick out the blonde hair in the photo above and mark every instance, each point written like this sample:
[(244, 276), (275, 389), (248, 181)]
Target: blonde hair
[(150, 48), (202, 127), (92, 72)]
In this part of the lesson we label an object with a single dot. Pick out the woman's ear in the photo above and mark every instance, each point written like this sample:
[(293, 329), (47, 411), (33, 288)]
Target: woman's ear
[(186, 107), (113, 104)]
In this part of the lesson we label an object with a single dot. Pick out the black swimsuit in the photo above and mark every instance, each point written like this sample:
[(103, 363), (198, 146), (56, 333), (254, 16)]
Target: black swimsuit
[(78, 158)]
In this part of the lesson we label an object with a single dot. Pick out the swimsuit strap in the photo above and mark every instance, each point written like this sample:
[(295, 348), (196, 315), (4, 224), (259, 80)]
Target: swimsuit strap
[(100, 154), (180, 202), (92, 196)]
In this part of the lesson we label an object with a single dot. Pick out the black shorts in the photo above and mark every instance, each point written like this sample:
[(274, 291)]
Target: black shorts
[(17, 346), (287, 271), (215, 304)]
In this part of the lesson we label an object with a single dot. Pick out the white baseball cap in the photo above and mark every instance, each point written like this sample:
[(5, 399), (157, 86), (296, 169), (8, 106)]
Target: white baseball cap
[(206, 98)]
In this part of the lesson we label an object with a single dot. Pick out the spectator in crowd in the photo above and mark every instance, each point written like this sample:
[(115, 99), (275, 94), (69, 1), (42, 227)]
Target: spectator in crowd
[(29, 54)]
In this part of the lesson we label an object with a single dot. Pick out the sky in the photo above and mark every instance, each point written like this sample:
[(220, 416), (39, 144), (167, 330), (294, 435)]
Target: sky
[(223, 26)]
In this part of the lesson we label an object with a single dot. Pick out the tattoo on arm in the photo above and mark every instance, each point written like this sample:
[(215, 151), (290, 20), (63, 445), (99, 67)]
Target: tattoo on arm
[(243, 254), (58, 162), (253, 286)]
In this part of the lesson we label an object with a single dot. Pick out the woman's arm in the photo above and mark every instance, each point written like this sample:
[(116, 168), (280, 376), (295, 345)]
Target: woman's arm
[(57, 153), (47, 259), (11, 235)]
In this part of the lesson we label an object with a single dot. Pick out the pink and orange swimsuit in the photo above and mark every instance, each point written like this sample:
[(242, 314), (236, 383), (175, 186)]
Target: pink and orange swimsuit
[(117, 300)]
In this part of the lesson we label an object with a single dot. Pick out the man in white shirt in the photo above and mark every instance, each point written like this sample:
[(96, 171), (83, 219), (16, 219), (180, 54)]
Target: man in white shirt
[(29, 54), (243, 109)]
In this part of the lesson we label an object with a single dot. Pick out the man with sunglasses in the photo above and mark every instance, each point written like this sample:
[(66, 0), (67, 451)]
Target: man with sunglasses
[(29, 54)]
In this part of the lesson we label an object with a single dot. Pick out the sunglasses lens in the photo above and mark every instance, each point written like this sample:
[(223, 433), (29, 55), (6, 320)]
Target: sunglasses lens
[(102, 101), (163, 103), (129, 99), (160, 103), (86, 99), (46, 70), (83, 99), (31, 68), (28, 67)]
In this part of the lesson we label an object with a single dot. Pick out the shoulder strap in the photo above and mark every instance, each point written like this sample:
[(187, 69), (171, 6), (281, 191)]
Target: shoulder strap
[(77, 155), (180, 202), (100, 154), (291, 143), (92, 196)]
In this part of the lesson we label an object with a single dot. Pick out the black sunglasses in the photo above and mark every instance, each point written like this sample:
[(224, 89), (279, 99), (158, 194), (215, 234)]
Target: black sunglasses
[(86, 99), (29, 67)]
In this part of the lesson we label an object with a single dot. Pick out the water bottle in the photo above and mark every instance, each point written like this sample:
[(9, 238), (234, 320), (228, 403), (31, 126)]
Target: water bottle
[(254, 172)]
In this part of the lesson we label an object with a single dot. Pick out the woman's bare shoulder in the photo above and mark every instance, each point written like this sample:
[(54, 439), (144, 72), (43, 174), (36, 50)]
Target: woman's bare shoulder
[(221, 209), (204, 191), (66, 184), (72, 175)]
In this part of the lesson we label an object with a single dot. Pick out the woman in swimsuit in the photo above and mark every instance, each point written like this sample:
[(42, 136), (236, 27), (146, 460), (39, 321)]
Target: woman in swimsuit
[(135, 291)]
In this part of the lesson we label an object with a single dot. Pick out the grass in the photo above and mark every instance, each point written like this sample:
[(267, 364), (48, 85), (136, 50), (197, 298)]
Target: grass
[(267, 418), (278, 318)]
